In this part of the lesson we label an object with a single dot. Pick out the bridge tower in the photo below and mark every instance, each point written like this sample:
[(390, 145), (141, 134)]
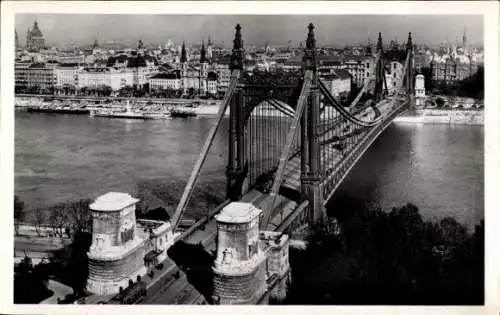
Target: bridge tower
[(311, 177), (236, 168), (409, 72), (380, 81)]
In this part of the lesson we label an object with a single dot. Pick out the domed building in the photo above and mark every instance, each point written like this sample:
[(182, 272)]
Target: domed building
[(34, 39)]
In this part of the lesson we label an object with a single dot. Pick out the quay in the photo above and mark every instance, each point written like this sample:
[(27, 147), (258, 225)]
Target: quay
[(83, 105)]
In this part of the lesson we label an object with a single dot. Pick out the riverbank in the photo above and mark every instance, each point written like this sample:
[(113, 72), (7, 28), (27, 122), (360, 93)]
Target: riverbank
[(84, 105), (443, 116), (390, 258)]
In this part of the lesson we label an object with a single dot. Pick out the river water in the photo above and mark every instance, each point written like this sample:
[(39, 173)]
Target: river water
[(439, 168)]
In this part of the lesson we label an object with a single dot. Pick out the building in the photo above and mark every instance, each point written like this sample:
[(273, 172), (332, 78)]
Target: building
[(419, 90), (338, 82), (419, 85), (40, 78), (97, 77), (21, 75), (212, 83), (159, 240), (449, 71), (187, 77), (141, 66), (222, 67), (165, 81), (34, 39), (116, 256), (291, 65), (70, 58), (454, 63), (393, 75), (67, 75), (361, 68)]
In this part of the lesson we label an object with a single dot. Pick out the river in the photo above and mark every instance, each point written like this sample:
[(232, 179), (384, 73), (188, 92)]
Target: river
[(439, 168)]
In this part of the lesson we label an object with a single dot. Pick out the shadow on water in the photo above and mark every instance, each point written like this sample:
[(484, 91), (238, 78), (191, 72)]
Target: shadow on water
[(196, 263)]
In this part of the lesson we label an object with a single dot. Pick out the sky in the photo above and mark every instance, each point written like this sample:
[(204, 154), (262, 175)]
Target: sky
[(66, 29)]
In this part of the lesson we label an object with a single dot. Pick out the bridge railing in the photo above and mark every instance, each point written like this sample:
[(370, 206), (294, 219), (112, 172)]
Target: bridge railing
[(338, 173), (358, 143)]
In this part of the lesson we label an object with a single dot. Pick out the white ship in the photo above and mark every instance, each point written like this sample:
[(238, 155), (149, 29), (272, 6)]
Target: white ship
[(127, 113)]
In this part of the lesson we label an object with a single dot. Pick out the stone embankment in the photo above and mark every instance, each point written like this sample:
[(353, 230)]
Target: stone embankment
[(444, 116)]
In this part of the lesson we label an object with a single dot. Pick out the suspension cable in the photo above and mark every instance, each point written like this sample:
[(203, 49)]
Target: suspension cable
[(188, 190), (343, 111)]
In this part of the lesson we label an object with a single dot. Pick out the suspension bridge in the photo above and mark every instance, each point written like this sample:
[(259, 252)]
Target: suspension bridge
[(291, 143)]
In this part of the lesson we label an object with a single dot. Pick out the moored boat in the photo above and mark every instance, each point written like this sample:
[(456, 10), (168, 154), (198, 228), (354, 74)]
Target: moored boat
[(182, 112), (58, 110), (127, 113)]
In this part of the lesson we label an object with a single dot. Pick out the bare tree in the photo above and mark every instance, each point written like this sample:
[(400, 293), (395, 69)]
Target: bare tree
[(19, 213), (80, 215), (40, 217), (59, 219)]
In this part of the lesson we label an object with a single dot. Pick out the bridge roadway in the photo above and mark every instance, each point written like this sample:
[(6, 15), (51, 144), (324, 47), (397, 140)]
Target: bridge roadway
[(181, 291)]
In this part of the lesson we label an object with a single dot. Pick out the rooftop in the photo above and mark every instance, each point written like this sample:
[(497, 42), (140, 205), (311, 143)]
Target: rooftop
[(113, 201), (171, 75), (238, 212)]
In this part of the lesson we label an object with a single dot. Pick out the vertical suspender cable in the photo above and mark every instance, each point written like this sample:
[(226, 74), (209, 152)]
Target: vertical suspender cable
[(301, 104)]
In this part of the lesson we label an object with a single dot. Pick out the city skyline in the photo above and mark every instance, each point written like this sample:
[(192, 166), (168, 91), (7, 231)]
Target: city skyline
[(66, 29)]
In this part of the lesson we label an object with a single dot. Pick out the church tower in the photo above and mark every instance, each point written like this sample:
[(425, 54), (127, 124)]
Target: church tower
[(209, 49), (34, 38), (464, 42), (140, 44), (184, 66), (16, 39), (28, 39), (203, 69), (369, 50)]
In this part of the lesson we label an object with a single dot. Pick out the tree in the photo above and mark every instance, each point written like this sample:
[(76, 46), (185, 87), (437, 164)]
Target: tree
[(33, 89), (440, 102), (40, 218), (30, 283), (19, 213), (58, 219), (191, 92), (80, 215), (390, 253), (79, 261), (125, 91), (454, 234)]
